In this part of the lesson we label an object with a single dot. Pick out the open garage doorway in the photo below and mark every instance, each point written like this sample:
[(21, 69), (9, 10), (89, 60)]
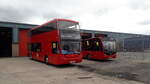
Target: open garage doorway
[(5, 42)]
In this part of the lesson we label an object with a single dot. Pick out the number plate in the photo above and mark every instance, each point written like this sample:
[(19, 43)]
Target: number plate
[(72, 61)]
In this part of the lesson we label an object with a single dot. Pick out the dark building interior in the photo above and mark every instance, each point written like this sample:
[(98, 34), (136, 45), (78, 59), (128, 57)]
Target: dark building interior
[(5, 42)]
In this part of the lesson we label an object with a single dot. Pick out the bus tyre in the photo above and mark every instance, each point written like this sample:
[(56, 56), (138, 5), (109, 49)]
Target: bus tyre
[(88, 56), (46, 59), (31, 58)]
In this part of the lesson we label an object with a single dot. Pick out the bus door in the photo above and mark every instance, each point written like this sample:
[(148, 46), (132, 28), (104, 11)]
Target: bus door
[(36, 50), (55, 51)]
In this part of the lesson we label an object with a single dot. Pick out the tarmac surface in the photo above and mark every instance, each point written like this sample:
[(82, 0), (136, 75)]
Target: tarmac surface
[(128, 68), (130, 65)]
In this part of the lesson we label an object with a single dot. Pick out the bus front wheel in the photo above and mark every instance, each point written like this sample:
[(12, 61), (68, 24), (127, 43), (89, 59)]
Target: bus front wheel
[(88, 56)]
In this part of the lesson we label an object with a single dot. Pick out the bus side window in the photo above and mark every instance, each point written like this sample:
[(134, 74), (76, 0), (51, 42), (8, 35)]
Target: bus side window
[(87, 43), (36, 47), (97, 43), (97, 46), (55, 47)]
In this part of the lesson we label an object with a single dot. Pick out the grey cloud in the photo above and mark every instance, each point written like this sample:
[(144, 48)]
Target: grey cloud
[(15, 15), (101, 12), (24, 14), (146, 22), (22, 11), (31, 10), (53, 14), (139, 4)]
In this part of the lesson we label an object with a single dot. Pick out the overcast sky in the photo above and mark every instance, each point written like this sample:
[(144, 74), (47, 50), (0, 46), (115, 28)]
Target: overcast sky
[(131, 16)]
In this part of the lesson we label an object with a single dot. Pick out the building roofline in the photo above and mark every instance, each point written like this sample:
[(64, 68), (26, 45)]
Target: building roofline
[(17, 23), (113, 32), (26, 25)]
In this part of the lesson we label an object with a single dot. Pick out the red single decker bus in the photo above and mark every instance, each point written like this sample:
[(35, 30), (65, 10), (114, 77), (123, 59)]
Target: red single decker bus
[(56, 42), (99, 48)]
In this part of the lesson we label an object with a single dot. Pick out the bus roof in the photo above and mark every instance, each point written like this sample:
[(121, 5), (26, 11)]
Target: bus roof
[(54, 21)]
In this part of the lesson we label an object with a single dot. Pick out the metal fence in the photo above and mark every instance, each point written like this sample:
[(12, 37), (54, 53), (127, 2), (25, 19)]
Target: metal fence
[(136, 44), (134, 49)]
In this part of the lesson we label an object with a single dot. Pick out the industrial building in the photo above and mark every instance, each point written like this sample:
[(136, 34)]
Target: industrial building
[(137, 44), (14, 38)]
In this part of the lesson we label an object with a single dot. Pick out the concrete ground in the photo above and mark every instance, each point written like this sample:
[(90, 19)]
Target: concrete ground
[(22, 70), (128, 65)]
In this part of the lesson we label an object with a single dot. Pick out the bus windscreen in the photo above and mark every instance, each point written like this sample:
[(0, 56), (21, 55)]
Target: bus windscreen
[(70, 37)]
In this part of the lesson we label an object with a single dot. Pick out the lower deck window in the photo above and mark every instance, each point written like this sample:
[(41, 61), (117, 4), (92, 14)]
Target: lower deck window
[(36, 47)]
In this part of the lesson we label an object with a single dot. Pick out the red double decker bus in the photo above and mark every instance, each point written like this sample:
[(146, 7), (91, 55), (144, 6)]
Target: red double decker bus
[(56, 42), (99, 48)]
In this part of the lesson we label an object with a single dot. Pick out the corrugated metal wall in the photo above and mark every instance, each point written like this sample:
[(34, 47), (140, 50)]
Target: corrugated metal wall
[(137, 44)]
